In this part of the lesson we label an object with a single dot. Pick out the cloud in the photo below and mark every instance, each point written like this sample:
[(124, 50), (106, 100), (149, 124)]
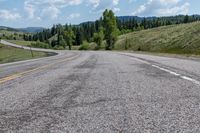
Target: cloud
[(100, 5), (47, 8), (162, 8), (94, 3), (116, 9), (52, 8), (73, 16), (30, 9), (8, 15), (184, 9), (115, 2), (50, 12)]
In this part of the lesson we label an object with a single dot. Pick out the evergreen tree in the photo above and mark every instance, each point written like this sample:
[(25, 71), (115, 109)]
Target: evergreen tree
[(79, 39), (186, 19), (53, 30)]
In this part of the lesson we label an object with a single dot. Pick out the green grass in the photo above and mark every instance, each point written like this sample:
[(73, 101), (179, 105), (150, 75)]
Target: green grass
[(22, 43), (28, 43), (175, 39), (10, 54)]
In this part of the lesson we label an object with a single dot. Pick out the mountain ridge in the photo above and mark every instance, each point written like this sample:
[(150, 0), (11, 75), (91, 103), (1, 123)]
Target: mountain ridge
[(120, 18)]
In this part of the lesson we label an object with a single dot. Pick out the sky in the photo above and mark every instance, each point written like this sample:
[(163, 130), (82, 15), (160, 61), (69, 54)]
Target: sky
[(45, 13)]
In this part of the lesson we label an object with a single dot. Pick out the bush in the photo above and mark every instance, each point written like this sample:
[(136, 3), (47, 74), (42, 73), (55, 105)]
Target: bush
[(40, 45), (57, 47), (85, 46)]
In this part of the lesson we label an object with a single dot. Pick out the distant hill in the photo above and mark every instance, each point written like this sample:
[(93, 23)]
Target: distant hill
[(31, 29), (172, 19), (167, 18), (8, 29), (27, 30), (139, 19)]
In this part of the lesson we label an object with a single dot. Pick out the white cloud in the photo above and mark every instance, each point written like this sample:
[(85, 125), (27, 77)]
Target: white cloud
[(8, 15), (52, 8), (184, 9), (29, 9), (100, 5), (94, 3), (73, 16), (162, 8), (47, 8), (116, 9), (50, 12), (115, 2)]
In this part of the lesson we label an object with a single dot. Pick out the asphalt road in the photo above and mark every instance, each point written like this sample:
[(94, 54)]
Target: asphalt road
[(99, 92)]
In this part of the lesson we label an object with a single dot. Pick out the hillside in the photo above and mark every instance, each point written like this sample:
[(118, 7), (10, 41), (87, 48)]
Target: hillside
[(11, 54), (178, 39)]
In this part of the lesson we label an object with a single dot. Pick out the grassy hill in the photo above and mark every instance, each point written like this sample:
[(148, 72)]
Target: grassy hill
[(176, 39), (11, 54)]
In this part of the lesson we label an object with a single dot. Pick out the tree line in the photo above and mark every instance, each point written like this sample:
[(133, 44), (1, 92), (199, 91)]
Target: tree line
[(107, 28), (68, 35)]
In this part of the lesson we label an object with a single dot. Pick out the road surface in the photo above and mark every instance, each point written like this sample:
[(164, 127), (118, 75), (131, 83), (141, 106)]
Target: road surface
[(98, 92)]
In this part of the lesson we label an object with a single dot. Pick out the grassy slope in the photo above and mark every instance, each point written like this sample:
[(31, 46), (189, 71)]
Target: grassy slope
[(177, 39), (20, 42), (10, 54)]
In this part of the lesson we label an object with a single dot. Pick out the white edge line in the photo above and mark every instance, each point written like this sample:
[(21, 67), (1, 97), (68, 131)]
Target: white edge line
[(179, 75), (173, 73), (190, 79)]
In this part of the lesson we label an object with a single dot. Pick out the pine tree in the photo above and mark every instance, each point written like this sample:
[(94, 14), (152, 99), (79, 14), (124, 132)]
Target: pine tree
[(79, 38), (186, 19)]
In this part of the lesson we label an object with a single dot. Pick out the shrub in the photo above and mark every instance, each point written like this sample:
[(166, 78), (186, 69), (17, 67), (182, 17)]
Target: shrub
[(40, 45), (85, 46), (57, 47)]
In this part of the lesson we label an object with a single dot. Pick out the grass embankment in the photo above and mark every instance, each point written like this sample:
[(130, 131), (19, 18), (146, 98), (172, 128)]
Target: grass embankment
[(30, 43), (175, 39), (10, 54), (22, 43)]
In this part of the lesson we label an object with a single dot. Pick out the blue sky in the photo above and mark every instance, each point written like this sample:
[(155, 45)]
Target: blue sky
[(45, 13)]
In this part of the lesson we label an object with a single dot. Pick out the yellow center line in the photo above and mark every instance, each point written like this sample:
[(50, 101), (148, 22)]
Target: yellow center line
[(18, 75)]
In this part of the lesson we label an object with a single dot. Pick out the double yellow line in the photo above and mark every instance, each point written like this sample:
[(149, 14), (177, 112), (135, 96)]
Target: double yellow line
[(18, 75)]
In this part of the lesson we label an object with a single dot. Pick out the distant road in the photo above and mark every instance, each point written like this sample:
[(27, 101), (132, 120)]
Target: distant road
[(100, 92)]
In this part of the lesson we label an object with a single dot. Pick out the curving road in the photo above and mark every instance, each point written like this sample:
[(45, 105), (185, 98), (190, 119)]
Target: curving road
[(100, 92)]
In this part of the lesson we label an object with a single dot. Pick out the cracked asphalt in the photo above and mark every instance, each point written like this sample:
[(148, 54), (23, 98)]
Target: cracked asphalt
[(101, 92)]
